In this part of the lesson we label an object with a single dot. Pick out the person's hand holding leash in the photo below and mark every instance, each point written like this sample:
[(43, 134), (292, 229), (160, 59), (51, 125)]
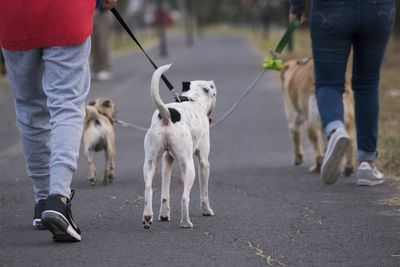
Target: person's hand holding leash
[(108, 4), (302, 18), (297, 10)]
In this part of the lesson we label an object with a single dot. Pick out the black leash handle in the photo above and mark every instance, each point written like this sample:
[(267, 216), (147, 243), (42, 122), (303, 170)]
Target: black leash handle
[(126, 27)]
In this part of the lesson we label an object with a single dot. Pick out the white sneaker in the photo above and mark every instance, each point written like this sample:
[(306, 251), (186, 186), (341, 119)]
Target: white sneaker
[(337, 146), (367, 175)]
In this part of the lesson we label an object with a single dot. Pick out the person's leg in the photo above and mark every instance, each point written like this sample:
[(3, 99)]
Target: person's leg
[(369, 49), (101, 53), (331, 34), (66, 82), (25, 70), (3, 70), (331, 44), (95, 53)]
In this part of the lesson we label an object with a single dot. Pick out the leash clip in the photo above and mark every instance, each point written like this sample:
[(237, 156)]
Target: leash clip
[(273, 62)]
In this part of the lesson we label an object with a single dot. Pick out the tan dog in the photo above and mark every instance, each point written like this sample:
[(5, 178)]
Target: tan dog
[(98, 135), (297, 79)]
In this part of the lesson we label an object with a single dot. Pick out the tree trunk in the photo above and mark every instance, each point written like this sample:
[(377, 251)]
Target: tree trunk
[(397, 23)]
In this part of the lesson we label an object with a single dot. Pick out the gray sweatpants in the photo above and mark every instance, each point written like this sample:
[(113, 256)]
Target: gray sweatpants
[(50, 86)]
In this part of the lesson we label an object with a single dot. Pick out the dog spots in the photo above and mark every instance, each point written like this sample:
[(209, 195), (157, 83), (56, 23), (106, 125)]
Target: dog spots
[(97, 122), (184, 99), (164, 218), (175, 115), (185, 86), (147, 221)]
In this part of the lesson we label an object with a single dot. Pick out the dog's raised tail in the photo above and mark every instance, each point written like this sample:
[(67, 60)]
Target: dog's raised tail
[(155, 93), (91, 113)]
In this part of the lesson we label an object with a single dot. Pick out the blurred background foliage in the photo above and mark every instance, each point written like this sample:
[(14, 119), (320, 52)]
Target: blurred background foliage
[(262, 23)]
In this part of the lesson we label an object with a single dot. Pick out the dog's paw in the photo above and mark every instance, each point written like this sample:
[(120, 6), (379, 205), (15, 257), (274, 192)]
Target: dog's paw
[(348, 170), (110, 178), (298, 159), (164, 218), (316, 168), (92, 181), (147, 221), (209, 213), (187, 224), (206, 210)]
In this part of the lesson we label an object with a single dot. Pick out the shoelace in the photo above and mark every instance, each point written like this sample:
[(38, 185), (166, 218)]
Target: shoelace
[(69, 211)]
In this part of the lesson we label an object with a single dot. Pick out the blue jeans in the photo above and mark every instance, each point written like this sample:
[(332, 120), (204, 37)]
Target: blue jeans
[(336, 28), (50, 86)]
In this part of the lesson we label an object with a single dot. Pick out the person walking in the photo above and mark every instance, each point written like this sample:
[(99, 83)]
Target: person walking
[(3, 71), (336, 28), (46, 46), (101, 43)]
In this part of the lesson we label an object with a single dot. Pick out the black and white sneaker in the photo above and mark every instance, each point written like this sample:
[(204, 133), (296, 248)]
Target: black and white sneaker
[(57, 218), (337, 146), (37, 218)]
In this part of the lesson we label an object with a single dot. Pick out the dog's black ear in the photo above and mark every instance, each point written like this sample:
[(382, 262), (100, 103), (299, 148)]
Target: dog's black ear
[(106, 104), (92, 103), (185, 86), (206, 90)]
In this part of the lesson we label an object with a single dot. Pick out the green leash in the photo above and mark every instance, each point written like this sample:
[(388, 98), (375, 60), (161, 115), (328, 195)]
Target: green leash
[(272, 62)]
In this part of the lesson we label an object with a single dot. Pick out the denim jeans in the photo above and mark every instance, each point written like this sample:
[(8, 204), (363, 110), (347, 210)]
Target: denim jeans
[(50, 86), (336, 28)]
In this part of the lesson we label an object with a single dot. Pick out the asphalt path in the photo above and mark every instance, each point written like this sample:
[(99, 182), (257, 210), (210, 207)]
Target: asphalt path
[(267, 212)]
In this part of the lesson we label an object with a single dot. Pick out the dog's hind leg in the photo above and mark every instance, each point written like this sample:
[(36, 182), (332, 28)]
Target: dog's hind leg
[(295, 121), (109, 171), (297, 136), (165, 211), (204, 175), (91, 167), (349, 163), (149, 168), (186, 165), (315, 137)]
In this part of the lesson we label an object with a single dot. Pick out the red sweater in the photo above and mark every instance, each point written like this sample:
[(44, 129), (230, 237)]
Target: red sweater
[(27, 24)]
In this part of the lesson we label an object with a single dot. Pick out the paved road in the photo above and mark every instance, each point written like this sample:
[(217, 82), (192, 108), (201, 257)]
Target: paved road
[(267, 211)]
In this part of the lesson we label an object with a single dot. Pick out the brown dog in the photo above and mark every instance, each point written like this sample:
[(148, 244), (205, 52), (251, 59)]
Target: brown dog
[(98, 135), (297, 79)]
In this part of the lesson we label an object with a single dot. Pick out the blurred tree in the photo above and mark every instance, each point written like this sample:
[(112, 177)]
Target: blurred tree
[(397, 24), (122, 6), (160, 22), (188, 12)]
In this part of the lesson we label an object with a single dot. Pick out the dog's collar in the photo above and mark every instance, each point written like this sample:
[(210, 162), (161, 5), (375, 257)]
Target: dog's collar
[(184, 99), (304, 61)]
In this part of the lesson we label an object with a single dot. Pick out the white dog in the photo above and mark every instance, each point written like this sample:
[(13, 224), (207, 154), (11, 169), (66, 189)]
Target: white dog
[(177, 132)]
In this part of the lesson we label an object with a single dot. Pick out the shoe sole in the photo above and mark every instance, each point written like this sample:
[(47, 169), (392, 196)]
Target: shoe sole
[(366, 182), (367, 179), (330, 171), (59, 226), (37, 224)]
